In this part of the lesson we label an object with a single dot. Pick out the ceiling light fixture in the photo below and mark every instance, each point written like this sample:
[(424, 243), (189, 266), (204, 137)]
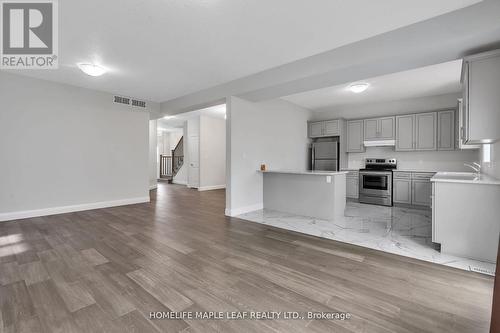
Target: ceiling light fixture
[(92, 69), (358, 87)]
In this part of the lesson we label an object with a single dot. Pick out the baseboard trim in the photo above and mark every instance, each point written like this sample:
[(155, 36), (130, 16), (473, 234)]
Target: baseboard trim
[(209, 188), (242, 210), (179, 182), (69, 209)]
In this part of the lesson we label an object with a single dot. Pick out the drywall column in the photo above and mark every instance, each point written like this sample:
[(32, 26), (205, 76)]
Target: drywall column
[(272, 132), (153, 151)]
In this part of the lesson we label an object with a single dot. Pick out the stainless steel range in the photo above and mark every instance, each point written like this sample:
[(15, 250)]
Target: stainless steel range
[(375, 181)]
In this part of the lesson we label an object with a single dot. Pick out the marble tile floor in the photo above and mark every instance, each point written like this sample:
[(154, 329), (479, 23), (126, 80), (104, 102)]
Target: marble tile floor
[(397, 230)]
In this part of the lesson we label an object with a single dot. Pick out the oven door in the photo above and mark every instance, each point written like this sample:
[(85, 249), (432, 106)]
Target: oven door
[(375, 183)]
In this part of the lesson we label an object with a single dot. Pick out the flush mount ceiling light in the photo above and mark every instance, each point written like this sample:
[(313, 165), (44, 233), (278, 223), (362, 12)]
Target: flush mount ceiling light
[(358, 87), (92, 69)]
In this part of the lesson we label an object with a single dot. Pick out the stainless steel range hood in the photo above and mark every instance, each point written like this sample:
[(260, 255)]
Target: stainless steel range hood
[(380, 143)]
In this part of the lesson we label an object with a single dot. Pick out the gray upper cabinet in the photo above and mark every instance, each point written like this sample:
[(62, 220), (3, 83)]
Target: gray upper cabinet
[(481, 79), (405, 133), (355, 136), (417, 132), (425, 131), (446, 130), (324, 128), (461, 139), (331, 128), (370, 129), (315, 129), (387, 128), (379, 129)]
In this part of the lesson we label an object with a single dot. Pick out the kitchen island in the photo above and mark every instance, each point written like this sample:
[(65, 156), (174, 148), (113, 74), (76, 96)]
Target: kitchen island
[(318, 194)]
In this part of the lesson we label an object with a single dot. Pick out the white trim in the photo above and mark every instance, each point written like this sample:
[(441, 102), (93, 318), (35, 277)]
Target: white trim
[(209, 188), (242, 210), (68, 209), (153, 187), (179, 182)]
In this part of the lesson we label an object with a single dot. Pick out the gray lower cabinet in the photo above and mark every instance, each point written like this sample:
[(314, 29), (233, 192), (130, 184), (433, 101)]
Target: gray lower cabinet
[(446, 130), (421, 192), (412, 188), (402, 191), (355, 136), (352, 185)]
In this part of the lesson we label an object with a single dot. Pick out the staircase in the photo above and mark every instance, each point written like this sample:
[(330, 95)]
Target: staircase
[(170, 165)]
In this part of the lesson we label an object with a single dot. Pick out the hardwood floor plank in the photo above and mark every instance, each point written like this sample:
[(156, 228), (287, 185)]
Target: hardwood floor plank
[(134, 322), (16, 304), (160, 290), (94, 257), (33, 272), (109, 298), (9, 273), (50, 308)]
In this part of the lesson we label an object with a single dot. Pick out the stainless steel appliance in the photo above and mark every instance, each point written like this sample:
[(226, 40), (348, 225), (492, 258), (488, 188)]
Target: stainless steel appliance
[(325, 154), (375, 181)]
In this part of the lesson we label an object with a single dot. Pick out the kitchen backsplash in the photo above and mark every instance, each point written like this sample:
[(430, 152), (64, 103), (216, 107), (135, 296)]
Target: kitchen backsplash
[(418, 161)]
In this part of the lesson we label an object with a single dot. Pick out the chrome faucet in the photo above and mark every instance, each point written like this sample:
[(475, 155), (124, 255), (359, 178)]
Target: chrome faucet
[(476, 167)]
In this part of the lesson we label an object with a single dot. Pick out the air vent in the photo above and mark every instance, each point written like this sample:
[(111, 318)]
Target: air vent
[(130, 102), (122, 100), (140, 104)]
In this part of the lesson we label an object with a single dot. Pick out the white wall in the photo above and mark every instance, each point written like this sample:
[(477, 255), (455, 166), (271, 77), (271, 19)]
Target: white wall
[(164, 143), (492, 168), (418, 161), (153, 158), (212, 153), (64, 148), (406, 106), (274, 133)]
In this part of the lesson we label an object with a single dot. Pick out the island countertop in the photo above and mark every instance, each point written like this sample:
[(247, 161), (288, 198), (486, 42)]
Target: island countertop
[(306, 172)]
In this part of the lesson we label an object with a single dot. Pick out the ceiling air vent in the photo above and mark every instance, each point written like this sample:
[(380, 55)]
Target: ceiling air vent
[(140, 104), (122, 100)]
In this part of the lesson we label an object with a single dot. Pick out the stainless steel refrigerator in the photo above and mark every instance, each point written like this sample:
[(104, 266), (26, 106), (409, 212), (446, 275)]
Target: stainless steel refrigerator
[(325, 155)]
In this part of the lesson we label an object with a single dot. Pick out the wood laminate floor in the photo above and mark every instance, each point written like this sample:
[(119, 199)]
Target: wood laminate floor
[(106, 270)]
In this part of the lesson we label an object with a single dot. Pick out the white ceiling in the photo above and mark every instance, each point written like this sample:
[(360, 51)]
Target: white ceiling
[(426, 81), (174, 123), (162, 49)]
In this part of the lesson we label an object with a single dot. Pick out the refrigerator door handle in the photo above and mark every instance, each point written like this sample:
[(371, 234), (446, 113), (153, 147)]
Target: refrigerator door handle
[(313, 156)]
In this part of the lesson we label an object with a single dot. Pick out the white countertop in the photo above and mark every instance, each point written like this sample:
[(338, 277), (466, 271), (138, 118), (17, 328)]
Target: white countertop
[(307, 172), (464, 177)]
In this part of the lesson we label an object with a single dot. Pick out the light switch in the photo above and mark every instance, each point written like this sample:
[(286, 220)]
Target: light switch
[(328, 179)]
